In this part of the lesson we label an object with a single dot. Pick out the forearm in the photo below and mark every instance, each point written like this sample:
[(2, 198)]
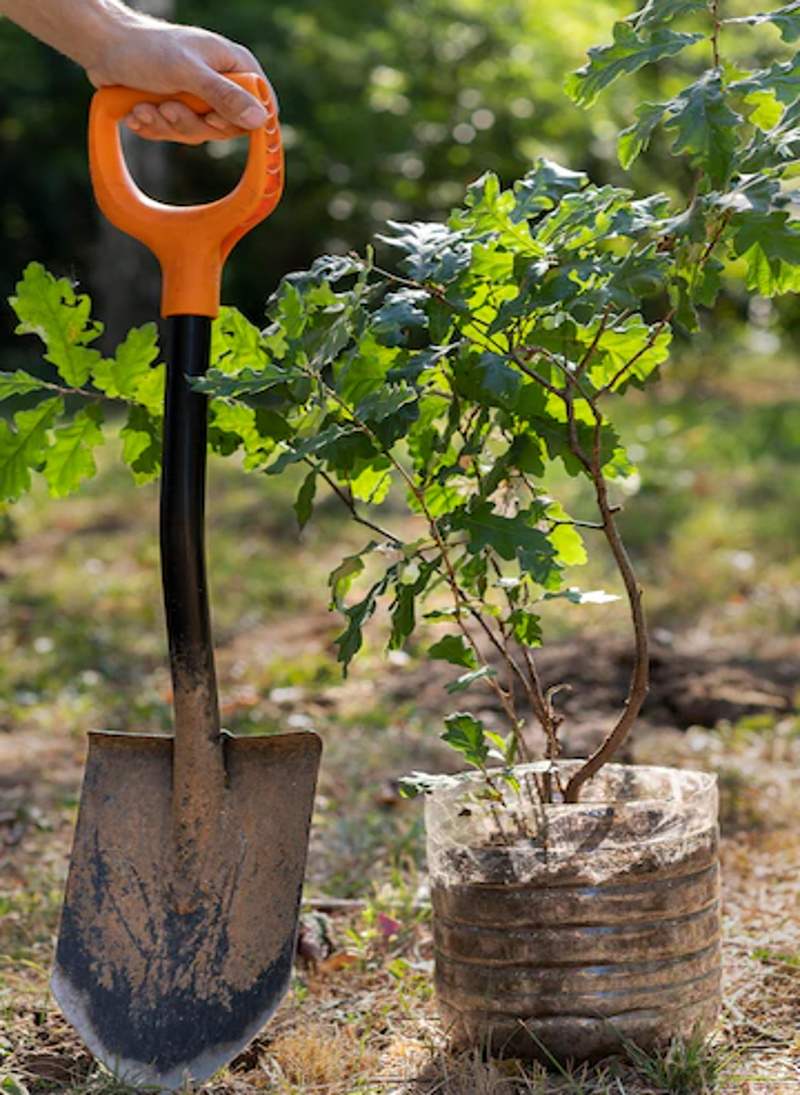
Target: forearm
[(117, 45), (81, 29)]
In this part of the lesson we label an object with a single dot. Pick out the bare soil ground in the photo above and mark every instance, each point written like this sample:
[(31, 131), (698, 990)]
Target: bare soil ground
[(80, 646), (361, 1016)]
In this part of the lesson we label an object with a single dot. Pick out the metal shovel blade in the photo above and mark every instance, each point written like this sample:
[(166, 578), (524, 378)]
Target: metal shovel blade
[(165, 994)]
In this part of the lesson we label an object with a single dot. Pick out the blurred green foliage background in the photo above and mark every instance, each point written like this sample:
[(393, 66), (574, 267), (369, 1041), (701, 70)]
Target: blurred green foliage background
[(389, 109)]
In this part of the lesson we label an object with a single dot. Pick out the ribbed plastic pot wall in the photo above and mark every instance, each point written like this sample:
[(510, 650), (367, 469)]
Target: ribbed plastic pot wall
[(602, 926)]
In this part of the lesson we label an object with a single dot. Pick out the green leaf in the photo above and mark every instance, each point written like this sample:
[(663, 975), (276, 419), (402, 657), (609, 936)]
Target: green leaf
[(640, 274), (492, 262), (327, 270), (342, 577), (402, 311), (466, 735), (23, 446), (462, 683), (708, 284), (50, 308), (579, 597), (349, 642), (410, 585), (569, 545), (781, 80), (489, 379), (630, 350), (236, 343), (509, 537), (304, 503), (120, 377), (490, 210), (365, 369), (289, 310), (770, 245), (329, 444), (248, 382), (544, 187), (635, 139), (371, 484), (422, 783), (150, 390), (504, 748), (384, 407), (439, 500), (662, 11), (233, 425), (70, 459), (12, 1085), (704, 125), (141, 444), (768, 111), (271, 426), (786, 19), (433, 252), (525, 627), (454, 649), (327, 334), (403, 616), (628, 53), (19, 383)]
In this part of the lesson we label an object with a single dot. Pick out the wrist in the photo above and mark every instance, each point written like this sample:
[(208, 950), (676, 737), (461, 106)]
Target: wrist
[(101, 27)]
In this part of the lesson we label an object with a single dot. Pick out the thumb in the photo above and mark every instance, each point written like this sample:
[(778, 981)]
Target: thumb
[(231, 102)]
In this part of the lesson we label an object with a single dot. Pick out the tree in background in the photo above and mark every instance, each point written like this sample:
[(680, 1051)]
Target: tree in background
[(389, 109)]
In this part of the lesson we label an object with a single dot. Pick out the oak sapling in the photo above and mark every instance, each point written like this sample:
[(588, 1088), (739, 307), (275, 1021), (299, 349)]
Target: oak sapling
[(497, 347)]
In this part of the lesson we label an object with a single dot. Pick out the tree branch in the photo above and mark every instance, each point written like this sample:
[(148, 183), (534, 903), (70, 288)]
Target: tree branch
[(639, 682)]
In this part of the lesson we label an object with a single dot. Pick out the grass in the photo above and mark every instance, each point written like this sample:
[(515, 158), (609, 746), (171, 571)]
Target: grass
[(686, 1067), (81, 646)]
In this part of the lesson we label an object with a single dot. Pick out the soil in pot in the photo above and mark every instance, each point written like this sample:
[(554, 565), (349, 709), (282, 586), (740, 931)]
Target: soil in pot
[(601, 924)]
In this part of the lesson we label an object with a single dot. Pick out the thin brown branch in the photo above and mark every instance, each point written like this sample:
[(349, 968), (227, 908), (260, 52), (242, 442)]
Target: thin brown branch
[(527, 678), (522, 364), (618, 375), (715, 32), (583, 364), (347, 500), (550, 722), (573, 379), (572, 523), (574, 441), (638, 687)]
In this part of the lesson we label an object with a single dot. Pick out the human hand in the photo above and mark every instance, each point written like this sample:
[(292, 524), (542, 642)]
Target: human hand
[(168, 59)]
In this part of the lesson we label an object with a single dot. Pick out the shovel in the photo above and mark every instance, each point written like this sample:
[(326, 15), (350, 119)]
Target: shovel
[(180, 915)]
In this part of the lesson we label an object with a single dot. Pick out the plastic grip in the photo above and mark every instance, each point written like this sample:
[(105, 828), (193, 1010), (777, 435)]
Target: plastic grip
[(190, 242)]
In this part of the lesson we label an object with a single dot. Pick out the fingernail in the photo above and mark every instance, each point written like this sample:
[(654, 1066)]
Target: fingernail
[(133, 123), (170, 113), (253, 117)]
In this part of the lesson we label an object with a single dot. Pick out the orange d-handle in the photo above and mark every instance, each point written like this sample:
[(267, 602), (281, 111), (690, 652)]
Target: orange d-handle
[(191, 242)]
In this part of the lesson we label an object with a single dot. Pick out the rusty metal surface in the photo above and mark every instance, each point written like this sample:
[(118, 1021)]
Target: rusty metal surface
[(577, 968), (160, 988)]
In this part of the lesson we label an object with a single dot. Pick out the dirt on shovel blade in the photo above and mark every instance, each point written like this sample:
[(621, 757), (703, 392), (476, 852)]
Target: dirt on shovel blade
[(159, 995)]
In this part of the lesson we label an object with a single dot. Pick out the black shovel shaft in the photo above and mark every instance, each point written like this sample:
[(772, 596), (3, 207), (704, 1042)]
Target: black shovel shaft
[(183, 485), (198, 763)]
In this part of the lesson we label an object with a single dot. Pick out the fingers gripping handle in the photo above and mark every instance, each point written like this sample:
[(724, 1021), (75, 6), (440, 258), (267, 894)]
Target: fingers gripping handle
[(190, 242)]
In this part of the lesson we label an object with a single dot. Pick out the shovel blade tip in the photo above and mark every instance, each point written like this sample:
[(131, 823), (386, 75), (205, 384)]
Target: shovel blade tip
[(156, 1063)]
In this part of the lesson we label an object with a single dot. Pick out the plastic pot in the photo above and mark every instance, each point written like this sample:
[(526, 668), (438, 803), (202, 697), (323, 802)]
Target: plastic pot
[(578, 927)]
